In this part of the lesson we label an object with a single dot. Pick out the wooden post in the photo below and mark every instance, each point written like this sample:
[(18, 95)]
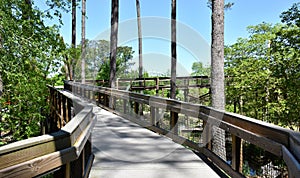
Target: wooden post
[(153, 115), (80, 90), (93, 95), (69, 105), (83, 91), (77, 166), (173, 123), (112, 102), (51, 110), (186, 95), (207, 135), (63, 171), (64, 109), (106, 100), (125, 106), (157, 85), (88, 157), (67, 169), (117, 84), (99, 98), (88, 148), (136, 108), (236, 153), (60, 109), (157, 124), (55, 109)]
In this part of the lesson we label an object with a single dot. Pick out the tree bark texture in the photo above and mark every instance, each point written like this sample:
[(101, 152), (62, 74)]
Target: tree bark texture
[(83, 50), (173, 51), (174, 115), (113, 42), (139, 23), (217, 73), (73, 42)]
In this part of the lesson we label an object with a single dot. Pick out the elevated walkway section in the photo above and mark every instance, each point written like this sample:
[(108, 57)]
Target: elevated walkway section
[(124, 149)]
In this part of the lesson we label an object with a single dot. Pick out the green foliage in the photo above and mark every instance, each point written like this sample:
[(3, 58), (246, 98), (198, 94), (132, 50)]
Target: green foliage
[(57, 80), (29, 52), (96, 53), (124, 55), (227, 6), (265, 72), (292, 16), (200, 70)]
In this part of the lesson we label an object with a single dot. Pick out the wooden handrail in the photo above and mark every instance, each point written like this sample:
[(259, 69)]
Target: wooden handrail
[(279, 141), (137, 84), (39, 155)]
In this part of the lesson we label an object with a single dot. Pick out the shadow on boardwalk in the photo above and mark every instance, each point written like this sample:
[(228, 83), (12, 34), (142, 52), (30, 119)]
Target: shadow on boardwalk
[(124, 149)]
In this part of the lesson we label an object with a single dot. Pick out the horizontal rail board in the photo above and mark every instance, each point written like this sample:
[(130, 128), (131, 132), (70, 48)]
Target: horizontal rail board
[(41, 164), (32, 148)]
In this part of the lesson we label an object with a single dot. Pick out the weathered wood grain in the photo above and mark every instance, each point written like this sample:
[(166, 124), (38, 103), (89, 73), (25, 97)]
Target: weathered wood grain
[(40, 165)]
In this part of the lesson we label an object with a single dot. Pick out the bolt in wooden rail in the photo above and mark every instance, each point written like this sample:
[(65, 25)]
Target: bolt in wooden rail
[(281, 142)]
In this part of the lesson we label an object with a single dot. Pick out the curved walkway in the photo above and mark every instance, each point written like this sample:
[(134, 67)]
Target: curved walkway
[(124, 149)]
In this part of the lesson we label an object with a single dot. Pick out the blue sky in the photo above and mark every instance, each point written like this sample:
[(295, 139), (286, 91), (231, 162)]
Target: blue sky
[(193, 13)]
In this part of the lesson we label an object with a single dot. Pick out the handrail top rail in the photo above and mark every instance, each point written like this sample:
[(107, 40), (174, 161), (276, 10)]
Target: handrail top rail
[(18, 145), (151, 78)]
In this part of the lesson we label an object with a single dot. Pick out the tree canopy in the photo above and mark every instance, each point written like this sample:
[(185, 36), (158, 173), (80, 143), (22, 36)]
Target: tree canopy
[(265, 71), (29, 51)]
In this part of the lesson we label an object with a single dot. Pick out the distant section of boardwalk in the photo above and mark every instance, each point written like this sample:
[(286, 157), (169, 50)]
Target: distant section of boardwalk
[(124, 149)]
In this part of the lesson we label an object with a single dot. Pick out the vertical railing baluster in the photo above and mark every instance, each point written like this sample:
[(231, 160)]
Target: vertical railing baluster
[(59, 102), (236, 153), (173, 123), (64, 102), (125, 106), (99, 98), (69, 108), (89, 94), (153, 115)]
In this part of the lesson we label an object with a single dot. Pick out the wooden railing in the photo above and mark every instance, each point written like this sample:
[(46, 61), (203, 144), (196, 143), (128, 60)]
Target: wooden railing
[(281, 142), (64, 153), (156, 83)]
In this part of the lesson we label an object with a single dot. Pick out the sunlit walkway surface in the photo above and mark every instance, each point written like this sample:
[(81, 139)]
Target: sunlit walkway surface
[(124, 149)]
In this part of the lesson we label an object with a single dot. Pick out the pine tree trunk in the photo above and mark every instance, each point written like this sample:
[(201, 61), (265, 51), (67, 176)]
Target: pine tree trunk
[(138, 14), (73, 43), (83, 51), (1, 84), (173, 50), (217, 73), (113, 41), (174, 116), (139, 25)]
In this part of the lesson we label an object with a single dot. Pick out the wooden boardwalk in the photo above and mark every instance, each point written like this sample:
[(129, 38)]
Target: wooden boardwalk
[(124, 149)]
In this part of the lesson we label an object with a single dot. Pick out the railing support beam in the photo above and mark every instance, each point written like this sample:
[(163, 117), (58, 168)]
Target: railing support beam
[(237, 158)]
